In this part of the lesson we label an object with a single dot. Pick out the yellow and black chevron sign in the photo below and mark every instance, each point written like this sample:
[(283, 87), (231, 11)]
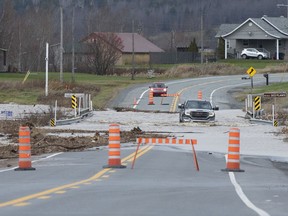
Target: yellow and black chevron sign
[(52, 122), (257, 103), (74, 101), (275, 123)]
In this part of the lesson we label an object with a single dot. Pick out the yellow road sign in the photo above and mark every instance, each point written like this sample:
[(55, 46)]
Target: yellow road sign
[(251, 71)]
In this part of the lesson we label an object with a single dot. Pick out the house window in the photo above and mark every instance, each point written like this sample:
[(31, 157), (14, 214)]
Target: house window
[(245, 43)]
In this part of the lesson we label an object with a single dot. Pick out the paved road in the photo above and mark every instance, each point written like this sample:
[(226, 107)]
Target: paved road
[(218, 89), (164, 181)]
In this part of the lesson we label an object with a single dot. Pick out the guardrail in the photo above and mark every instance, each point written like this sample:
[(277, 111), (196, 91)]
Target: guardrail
[(74, 119), (79, 112)]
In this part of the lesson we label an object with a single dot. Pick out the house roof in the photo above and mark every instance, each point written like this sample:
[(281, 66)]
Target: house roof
[(266, 27), (276, 27), (141, 44), (225, 29), (279, 23)]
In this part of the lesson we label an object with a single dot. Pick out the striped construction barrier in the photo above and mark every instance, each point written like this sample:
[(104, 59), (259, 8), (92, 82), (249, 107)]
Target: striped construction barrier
[(170, 140), (114, 159), (24, 149), (154, 141), (233, 159), (169, 95)]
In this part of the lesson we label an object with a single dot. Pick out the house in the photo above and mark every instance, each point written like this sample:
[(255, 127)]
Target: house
[(141, 47), (268, 33)]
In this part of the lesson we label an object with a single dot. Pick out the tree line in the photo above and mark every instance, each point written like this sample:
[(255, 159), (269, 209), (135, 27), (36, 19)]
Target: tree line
[(25, 26)]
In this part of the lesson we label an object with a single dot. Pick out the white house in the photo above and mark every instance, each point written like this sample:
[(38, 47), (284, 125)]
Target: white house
[(267, 33)]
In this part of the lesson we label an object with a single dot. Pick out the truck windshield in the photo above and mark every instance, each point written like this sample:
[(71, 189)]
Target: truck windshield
[(198, 105)]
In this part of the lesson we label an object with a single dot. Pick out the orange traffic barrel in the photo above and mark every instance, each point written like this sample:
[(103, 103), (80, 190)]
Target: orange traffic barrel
[(151, 102), (233, 159), (24, 149), (114, 160), (200, 95)]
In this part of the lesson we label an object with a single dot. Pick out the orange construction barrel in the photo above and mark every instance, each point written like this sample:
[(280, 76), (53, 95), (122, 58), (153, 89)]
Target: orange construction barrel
[(24, 149)]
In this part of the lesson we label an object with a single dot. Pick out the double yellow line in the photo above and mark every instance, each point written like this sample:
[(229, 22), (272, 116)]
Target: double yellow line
[(22, 201)]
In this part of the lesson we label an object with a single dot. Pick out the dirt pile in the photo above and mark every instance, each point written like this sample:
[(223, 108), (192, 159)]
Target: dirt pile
[(45, 141)]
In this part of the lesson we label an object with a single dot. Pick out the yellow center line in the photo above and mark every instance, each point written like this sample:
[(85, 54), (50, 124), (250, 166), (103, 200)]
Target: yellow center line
[(22, 204), (44, 197), (20, 201), (60, 192)]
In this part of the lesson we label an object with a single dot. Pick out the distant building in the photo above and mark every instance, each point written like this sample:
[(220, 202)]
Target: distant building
[(268, 33), (142, 49)]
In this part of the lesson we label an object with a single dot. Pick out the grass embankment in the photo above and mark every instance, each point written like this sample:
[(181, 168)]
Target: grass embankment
[(32, 91), (259, 64), (103, 88)]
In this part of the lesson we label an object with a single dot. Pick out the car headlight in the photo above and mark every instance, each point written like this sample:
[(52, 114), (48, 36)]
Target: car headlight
[(211, 113), (165, 89)]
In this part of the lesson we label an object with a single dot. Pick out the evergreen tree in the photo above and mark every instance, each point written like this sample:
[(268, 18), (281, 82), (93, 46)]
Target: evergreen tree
[(221, 48), (193, 46)]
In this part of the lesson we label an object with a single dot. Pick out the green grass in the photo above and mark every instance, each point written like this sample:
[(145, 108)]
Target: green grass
[(109, 86), (17, 93), (274, 87)]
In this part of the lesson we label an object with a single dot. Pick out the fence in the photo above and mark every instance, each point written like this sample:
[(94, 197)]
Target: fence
[(179, 58)]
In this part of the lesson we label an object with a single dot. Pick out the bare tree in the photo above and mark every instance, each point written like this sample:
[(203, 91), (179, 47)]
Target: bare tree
[(7, 32), (104, 51), (34, 31)]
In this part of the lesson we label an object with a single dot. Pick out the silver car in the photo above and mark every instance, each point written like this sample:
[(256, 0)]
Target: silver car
[(197, 111), (253, 53)]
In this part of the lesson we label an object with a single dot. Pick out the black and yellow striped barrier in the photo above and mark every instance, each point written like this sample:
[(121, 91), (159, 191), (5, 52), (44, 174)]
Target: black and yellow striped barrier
[(257, 103), (52, 122), (74, 101)]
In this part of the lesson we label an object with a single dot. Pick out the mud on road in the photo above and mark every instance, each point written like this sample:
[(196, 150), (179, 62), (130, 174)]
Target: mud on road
[(45, 141)]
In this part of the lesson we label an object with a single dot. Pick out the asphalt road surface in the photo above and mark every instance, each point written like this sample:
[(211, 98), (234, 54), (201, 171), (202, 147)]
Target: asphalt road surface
[(217, 89), (164, 179)]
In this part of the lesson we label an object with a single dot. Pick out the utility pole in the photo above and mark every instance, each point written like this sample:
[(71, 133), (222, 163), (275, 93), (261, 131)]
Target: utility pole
[(201, 34), (73, 48), (172, 40), (133, 54), (20, 47), (46, 69), (61, 44)]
